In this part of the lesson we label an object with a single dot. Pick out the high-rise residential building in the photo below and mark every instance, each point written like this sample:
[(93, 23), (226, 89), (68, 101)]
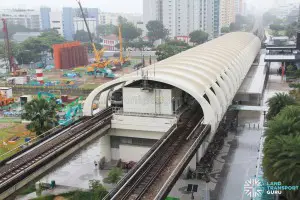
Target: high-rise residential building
[(68, 23), (112, 18), (227, 12), (26, 17), (70, 20), (181, 17), (45, 18), (150, 10), (56, 21), (283, 8), (79, 24), (239, 7)]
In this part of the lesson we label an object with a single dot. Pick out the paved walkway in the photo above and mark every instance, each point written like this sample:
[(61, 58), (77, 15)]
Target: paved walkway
[(56, 191)]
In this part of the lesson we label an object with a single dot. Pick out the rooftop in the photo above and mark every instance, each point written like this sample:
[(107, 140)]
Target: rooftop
[(22, 36), (111, 37)]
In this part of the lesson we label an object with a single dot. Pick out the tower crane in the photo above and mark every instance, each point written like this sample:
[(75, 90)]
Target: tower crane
[(97, 53), (12, 65), (121, 61)]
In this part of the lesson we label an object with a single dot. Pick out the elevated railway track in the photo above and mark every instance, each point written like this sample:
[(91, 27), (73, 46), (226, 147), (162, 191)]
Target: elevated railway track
[(18, 168), (156, 173)]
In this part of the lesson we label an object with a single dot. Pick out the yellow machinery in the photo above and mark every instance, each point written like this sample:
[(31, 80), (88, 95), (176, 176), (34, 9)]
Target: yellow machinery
[(121, 61), (97, 53)]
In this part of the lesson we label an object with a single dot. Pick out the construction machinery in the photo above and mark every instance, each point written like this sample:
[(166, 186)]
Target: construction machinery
[(122, 60), (99, 62), (71, 112), (5, 101), (49, 96), (13, 67)]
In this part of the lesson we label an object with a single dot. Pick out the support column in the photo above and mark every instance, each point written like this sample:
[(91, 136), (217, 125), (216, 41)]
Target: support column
[(105, 148)]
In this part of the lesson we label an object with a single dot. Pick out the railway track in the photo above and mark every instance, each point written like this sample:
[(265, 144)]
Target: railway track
[(138, 184), (20, 165)]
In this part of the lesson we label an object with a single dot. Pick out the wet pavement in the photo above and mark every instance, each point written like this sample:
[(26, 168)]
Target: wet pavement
[(78, 169)]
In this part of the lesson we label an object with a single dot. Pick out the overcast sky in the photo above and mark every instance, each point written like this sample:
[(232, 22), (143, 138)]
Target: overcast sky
[(128, 6)]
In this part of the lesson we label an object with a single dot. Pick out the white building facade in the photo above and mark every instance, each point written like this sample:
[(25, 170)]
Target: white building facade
[(183, 17), (79, 24), (56, 21), (27, 17), (112, 18)]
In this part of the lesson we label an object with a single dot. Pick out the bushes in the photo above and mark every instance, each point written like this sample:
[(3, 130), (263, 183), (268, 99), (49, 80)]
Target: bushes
[(281, 160)]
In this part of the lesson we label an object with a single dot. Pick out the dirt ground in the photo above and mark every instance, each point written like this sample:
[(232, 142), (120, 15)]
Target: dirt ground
[(87, 81)]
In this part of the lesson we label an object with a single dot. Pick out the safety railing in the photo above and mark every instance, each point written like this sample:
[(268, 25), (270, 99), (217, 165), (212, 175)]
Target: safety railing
[(120, 111)]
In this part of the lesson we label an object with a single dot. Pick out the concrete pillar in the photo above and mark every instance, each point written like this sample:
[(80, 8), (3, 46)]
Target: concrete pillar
[(193, 163), (105, 148)]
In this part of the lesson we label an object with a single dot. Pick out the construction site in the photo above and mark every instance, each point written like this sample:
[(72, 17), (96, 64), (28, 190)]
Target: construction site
[(73, 74)]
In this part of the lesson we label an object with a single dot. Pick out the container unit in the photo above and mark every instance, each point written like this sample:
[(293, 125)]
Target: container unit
[(25, 99), (6, 92), (20, 80)]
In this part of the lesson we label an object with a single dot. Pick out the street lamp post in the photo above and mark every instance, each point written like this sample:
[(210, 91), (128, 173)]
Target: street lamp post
[(207, 196)]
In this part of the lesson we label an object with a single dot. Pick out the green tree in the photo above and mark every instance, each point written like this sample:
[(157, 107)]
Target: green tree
[(198, 37), (140, 44), (268, 18), (291, 30), (156, 31), (281, 160), (42, 115), (278, 102), (225, 29), (50, 37), (13, 28), (14, 48), (106, 29), (276, 27), (114, 175), (170, 48), (82, 36), (129, 31), (98, 190), (90, 47)]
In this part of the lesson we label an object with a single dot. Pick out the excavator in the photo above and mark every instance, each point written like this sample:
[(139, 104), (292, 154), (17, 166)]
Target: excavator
[(71, 113), (5, 101), (100, 65), (121, 61)]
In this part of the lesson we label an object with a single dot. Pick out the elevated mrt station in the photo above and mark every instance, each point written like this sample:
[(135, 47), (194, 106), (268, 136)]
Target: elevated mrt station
[(148, 102)]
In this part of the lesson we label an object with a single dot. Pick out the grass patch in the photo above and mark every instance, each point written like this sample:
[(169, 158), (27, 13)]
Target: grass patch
[(28, 189), (75, 195), (89, 86), (7, 133)]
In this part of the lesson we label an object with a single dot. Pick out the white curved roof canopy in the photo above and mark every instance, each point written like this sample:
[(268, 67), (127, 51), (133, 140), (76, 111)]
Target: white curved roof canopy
[(221, 64)]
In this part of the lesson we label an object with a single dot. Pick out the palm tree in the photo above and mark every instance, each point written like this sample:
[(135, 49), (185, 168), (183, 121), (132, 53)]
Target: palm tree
[(287, 122), (281, 160), (42, 114), (277, 102)]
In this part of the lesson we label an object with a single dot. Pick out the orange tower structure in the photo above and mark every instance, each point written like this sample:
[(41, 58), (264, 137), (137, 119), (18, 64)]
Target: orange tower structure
[(69, 54)]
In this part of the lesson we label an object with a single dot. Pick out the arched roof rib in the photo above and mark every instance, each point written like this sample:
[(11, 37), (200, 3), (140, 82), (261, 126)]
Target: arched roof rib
[(220, 64)]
